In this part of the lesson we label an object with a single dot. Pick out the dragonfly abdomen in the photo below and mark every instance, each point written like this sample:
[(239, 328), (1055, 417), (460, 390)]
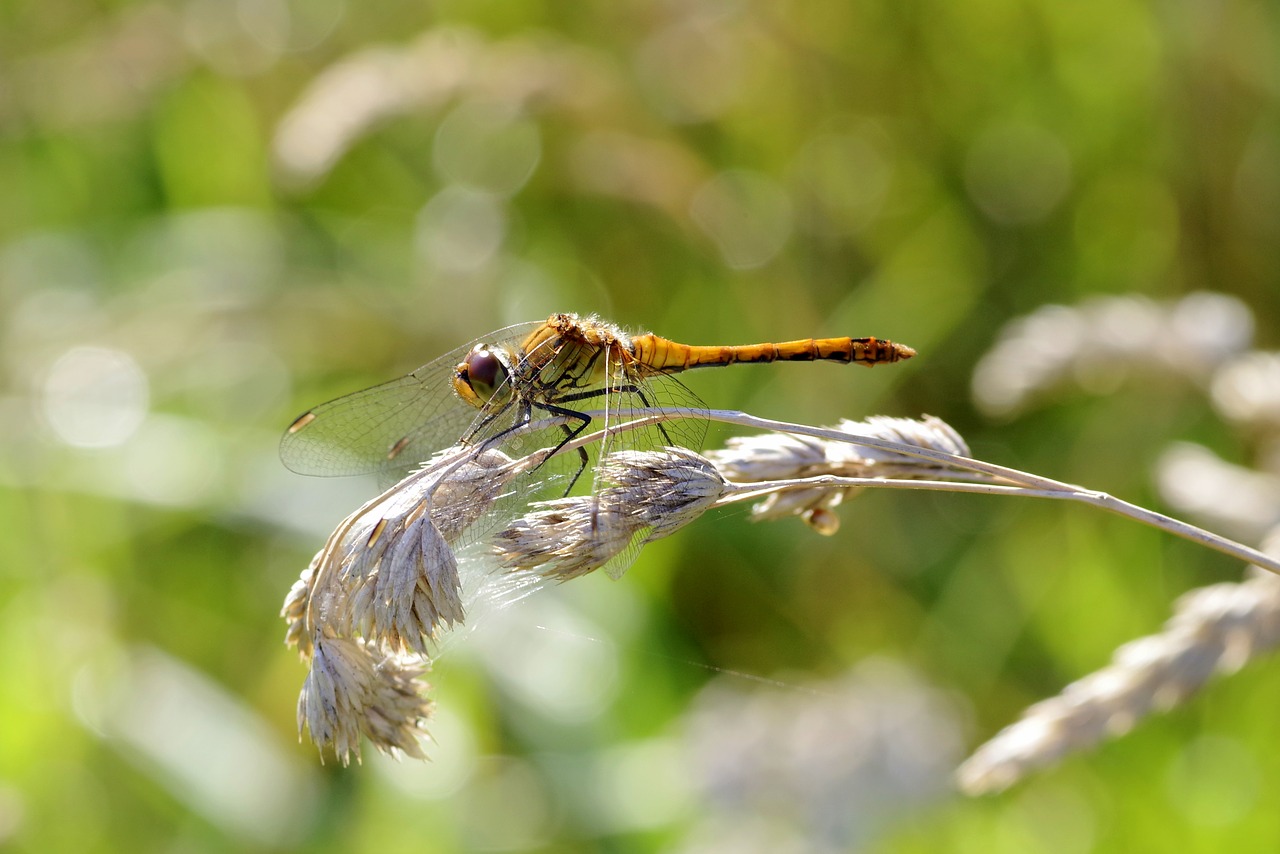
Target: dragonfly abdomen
[(660, 354)]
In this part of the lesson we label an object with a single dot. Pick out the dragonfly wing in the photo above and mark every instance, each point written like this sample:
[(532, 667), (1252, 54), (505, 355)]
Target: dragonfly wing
[(635, 392), (390, 428)]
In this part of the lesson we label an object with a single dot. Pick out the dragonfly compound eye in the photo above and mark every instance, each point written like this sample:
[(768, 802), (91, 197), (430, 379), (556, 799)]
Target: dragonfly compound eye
[(483, 373)]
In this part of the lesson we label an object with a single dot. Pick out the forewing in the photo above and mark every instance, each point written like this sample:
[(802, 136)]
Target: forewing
[(390, 428)]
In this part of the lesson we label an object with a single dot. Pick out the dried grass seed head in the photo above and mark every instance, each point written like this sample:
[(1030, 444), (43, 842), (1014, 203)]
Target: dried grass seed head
[(388, 572), (1215, 629), (779, 456), (355, 689), (783, 456), (650, 494), (1092, 345)]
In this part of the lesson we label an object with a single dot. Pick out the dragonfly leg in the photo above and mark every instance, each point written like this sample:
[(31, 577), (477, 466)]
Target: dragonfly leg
[(522, 420), (570, 433), (628, 389)]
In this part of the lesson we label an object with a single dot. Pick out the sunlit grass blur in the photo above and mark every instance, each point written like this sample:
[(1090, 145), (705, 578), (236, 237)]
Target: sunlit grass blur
[(216, 214)]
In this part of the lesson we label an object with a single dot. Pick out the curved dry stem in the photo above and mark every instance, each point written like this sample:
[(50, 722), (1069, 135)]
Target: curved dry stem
[(1097, 499), (1006, 481)]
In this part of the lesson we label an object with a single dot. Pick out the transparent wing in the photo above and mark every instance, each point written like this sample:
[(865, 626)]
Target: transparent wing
[(632, 391), (390, 428)]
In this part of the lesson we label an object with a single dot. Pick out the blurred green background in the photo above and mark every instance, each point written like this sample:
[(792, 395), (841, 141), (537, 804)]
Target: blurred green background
[(216, 213)]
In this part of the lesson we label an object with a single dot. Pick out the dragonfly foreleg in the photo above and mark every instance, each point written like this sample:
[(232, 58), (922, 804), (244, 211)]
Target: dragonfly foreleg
[(486, 422)]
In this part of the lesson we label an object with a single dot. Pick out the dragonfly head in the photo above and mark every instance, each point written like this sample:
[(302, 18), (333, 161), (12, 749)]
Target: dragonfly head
[(482, 377)]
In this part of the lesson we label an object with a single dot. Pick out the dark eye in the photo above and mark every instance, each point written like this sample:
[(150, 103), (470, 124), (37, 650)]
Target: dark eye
[(485, 372)]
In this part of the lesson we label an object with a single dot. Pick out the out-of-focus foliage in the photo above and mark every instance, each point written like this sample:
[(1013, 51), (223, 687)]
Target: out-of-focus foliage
[(214, 213)]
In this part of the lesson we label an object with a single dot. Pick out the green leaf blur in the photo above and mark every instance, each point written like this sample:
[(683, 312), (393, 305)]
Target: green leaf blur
[(216, 214)]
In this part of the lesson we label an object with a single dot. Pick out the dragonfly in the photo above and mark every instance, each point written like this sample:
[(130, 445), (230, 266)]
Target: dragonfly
[(534, 386)]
